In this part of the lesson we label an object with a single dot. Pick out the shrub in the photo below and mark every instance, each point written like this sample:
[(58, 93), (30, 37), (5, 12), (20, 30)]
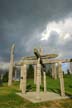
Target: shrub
[(5, 77)]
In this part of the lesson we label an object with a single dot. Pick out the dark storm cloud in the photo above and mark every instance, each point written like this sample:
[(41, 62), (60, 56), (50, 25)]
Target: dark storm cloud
[(22, 20)]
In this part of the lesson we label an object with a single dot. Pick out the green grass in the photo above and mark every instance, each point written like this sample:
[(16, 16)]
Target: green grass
[(53, 85), (9, 99)]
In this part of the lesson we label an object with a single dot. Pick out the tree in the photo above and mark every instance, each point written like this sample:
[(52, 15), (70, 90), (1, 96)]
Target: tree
[(5, 77), (48, 66), (68, 72), (30, 72)]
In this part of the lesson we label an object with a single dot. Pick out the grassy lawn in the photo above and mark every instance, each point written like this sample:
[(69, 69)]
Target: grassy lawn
[(8, 98)]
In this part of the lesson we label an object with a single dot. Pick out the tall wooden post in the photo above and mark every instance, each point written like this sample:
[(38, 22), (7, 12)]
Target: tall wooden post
[(15, 74), (10, 76), (58, 70), (38, 79), (54, 74), (61, 80), (52, 70), (41, 53), (35, 73), (70, 67), (45, 89), (21, 77), (24, 75), (44, 73)]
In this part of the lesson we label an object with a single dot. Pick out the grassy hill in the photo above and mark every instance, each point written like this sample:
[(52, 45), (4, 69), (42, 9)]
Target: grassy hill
[(9, 99)]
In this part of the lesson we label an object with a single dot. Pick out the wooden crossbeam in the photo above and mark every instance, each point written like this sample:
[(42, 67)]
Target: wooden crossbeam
[(44, 61), (36, 52)]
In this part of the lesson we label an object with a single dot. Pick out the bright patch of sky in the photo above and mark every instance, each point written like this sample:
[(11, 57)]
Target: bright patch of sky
[(62, 28), (65, 66)]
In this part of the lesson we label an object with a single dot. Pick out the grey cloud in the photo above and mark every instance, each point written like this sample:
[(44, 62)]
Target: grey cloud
[(19, 19)]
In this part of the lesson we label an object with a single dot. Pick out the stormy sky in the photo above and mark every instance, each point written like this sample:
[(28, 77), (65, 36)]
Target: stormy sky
[(33, 24)]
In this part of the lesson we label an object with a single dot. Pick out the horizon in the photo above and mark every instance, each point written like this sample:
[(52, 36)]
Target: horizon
[(33, 24)]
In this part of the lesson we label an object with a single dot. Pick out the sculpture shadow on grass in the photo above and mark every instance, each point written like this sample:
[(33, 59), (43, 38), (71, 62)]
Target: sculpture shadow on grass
[(69, 95), (1, 83), (30, 88), (70, 86), (59, 92), (42, 88), (54, 90)]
